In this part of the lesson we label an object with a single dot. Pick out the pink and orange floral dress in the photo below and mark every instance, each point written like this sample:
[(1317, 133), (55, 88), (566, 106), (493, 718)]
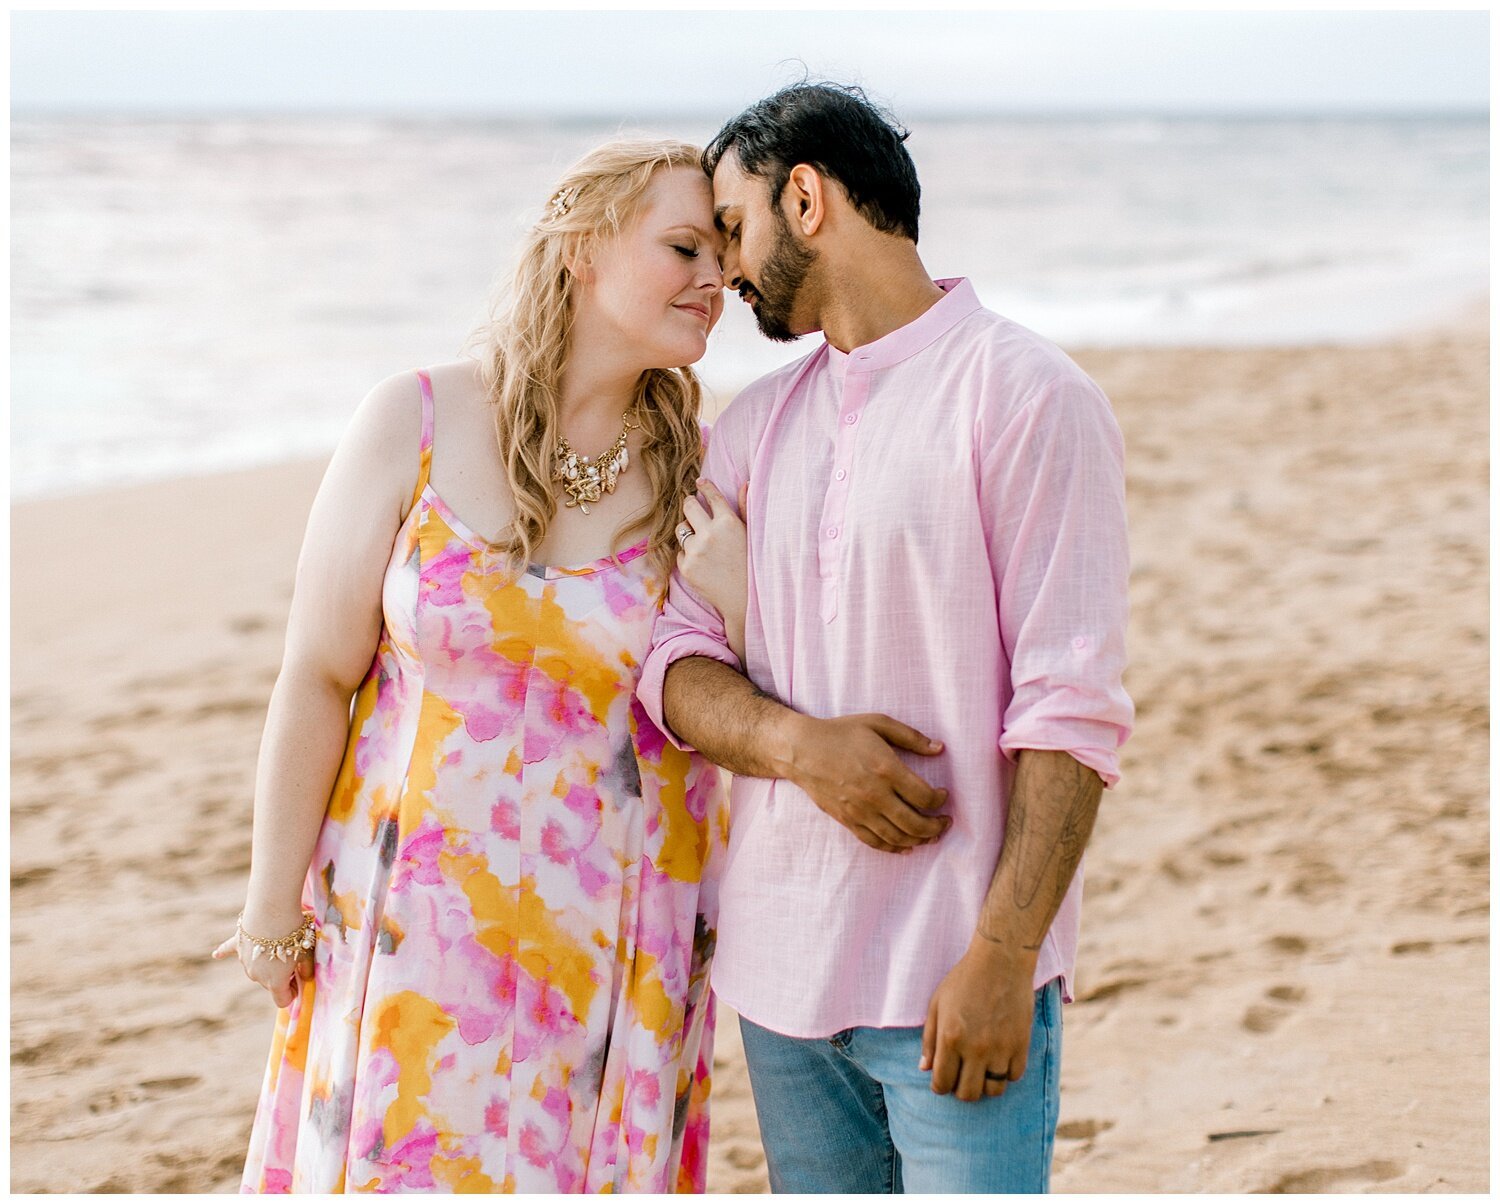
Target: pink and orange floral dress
[(514, 885)]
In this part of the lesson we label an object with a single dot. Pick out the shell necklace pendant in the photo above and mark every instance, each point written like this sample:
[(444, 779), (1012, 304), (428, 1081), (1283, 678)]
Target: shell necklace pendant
[(586, 479)]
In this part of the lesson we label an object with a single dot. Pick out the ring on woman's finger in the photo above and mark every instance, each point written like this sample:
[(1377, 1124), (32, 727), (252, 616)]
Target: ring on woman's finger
[(998, 1078), (683, 532)]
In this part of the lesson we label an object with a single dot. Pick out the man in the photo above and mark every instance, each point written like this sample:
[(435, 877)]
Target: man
[(931, 698)]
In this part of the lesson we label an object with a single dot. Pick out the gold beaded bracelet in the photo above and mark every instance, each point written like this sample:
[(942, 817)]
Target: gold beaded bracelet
[(284, 948)]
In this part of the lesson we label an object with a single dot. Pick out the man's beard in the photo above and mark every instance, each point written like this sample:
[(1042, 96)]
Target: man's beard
[(781, 280)]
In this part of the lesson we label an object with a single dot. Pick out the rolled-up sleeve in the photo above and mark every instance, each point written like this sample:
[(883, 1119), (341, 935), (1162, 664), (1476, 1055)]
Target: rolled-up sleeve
[(687, 625), (1052, 488)]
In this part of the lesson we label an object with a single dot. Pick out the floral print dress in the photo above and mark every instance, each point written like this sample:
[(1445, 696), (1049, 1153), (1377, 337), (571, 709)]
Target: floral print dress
[(514, 887)]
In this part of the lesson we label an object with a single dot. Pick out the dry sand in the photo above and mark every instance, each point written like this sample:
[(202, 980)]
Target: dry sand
[(1284, 973)]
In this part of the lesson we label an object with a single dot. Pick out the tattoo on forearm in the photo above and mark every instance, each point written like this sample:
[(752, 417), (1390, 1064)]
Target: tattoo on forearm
[(1052, 827), (1029, 946), (1078, 822)]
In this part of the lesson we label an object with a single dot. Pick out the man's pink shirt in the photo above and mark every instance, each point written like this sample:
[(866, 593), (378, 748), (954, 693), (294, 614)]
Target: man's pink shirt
[(937, 533)]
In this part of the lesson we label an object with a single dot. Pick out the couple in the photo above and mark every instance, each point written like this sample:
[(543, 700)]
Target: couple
[(487, 899)]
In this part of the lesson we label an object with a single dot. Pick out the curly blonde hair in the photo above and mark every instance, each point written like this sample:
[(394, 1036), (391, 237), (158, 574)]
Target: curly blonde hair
[(526, 343)]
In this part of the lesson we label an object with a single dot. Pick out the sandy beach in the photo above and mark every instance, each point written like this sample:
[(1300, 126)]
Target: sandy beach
[(1283, 980)]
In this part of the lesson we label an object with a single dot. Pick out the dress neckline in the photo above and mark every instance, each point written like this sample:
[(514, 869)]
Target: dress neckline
[(547, 572)]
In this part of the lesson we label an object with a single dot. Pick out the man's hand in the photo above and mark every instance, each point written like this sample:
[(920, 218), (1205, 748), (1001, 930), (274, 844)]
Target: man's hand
[(848, 767), (979, 1022)]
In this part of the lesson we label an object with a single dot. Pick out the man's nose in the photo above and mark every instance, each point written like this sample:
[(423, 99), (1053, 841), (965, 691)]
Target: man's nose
[(730, 266)]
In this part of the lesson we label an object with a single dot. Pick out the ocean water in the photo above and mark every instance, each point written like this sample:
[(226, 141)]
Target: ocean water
[(193, 295)]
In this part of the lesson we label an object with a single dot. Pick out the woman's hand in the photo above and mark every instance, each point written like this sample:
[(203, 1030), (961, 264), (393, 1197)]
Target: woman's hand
[(282, 979), (714, 559)]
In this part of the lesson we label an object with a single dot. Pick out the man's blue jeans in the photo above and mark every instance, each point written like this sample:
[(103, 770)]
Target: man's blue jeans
[(853, 1113)]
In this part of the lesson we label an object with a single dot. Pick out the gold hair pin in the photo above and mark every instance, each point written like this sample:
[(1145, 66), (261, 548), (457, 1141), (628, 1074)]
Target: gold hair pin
[(562, 201)]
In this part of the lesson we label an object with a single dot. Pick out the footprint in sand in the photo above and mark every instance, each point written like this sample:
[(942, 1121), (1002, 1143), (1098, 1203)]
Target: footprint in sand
[(1169, 867), (34, 874), (112, 1099), (1264, 1018), (1288, 944), (39, 1051), (744, 1158), (226, 706), (1260, 1019), (196, 1024), (1327, 1179), (127, 719), (1316, 881), (1083, 1130), (1106, 990)]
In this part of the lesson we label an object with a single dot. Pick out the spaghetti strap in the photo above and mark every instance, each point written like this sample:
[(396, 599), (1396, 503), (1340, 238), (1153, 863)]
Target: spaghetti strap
[(424, 471)]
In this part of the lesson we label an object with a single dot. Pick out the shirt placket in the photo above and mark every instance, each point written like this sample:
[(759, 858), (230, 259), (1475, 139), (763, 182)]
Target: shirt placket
[(831, 532)]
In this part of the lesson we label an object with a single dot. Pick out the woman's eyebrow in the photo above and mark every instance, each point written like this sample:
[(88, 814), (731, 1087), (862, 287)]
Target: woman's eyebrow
[(707, 235)]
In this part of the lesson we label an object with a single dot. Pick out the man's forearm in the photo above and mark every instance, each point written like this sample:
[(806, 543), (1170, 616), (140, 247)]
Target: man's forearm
[(727, 718), (1052, 809)]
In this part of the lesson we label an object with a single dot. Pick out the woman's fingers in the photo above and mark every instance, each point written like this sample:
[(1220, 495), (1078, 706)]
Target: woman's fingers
[(227, 947), (716, 500), (282, 993), (696, 515)]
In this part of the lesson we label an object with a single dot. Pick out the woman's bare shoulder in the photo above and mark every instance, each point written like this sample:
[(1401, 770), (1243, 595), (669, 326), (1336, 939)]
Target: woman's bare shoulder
[(390, 416), (458, 383)]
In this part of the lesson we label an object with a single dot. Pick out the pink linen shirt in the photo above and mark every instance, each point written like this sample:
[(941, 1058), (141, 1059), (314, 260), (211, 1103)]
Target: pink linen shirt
[(936, 532)]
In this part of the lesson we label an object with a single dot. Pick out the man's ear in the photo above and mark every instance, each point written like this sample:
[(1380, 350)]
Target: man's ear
[(578, 257), (805, 198)]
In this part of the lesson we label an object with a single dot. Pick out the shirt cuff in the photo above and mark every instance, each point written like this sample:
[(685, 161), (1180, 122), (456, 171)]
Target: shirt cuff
[(1085, 747)]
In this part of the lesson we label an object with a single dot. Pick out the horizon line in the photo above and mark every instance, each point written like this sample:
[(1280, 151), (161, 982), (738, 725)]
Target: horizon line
[(591, 116)]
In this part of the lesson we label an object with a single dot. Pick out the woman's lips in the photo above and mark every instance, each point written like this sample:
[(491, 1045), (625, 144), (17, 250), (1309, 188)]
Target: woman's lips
[(700, 310)]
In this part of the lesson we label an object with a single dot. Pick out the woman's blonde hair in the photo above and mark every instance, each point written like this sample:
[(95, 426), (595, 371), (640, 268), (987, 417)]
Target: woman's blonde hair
[(526, 345)]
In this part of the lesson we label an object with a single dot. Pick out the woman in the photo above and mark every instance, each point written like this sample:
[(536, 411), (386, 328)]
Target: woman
[(508, 867)]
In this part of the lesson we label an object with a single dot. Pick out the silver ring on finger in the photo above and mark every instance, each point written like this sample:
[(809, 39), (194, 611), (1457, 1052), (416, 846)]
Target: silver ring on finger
[(683, 533)]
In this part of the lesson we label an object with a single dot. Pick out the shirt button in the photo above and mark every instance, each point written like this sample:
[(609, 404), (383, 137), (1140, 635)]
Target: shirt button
[(849, 419), (1080, 642), (833, 532), (840, 475)]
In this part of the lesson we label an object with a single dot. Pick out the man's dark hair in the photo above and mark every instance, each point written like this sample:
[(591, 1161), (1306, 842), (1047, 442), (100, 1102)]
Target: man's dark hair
[(836, 129)]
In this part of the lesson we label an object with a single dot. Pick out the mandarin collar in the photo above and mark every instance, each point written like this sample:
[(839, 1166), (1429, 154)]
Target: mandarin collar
[(957, 303)]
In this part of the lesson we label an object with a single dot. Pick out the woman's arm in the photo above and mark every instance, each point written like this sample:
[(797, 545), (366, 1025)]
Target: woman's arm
[(332, 633), (715, 559)]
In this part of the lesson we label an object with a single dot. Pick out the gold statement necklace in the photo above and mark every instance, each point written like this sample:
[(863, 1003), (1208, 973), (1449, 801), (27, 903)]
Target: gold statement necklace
[(586, 479)]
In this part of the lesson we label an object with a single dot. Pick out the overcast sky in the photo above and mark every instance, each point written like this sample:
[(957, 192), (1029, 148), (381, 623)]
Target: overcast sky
[(623, 63)]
